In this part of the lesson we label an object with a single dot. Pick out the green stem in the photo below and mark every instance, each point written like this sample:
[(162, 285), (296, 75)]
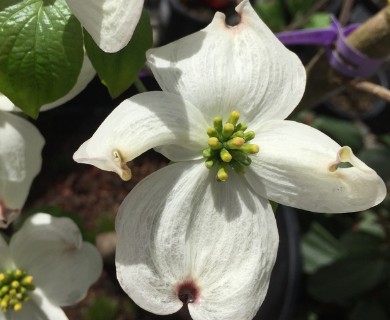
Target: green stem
[(139, 85)]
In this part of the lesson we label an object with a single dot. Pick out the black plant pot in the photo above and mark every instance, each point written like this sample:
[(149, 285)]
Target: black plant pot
[(284, 288)]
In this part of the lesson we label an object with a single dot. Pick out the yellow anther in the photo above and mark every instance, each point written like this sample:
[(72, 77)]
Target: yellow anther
[(207, 153), (227, 130), (222, 174), (18, 273), (214, 143), (4, 290), (225, 155), (17, 307), (217, 122), (235, 143), (28, 280), (233, 118), (4, 303), (241, 126), (14, 289), (238, 133), (209, 163), (212, 132), (250, 148), (249, 135)]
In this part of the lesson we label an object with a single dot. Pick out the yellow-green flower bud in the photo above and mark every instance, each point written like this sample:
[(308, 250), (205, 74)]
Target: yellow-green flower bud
[(222, 174), (225, 155), (233, 118), (214, 143), (228, 147)]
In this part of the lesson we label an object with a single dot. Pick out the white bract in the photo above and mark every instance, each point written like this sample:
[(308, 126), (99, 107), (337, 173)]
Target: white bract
[(111, 23), (48, 265), (20, 161), (184, 236)]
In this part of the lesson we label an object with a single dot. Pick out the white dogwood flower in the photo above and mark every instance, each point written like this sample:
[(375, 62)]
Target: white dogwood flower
[(45, 265), (184, 236), (111, 23), (20, 161)]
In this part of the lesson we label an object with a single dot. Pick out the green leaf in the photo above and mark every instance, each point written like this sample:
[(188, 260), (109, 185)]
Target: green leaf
[(361, 242), (118, 70), (371, 224), (272, 14), (344, 132), (368, 309), (299, 7), (319, 248), (377, 159), (347, 278), (41, 52), (101, 307), (385, 139), (319, 20)]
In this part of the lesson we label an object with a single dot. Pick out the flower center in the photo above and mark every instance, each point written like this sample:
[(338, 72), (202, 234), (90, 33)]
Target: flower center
[(228, 146), (14, 288)]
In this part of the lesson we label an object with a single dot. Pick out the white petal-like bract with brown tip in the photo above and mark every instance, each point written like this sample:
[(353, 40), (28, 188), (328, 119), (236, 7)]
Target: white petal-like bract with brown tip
[(300, 166), (211, 245), (20, 161), (111, 23)]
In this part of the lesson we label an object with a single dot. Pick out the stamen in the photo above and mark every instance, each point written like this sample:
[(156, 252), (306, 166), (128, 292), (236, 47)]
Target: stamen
[(209, 163), (235, 143), (249, 135), (14, 288), (242, 126), (250, 148), (233, 118), (239, 134), (218, 124), (222, 174), (225, 155), (228, 146), (212, 132), (227, 130), (214, 143), (207, 153)]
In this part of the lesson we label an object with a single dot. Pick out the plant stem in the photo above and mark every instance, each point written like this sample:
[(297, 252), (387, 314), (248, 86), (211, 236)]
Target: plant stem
[(301, 22), (139, 85), (345, 11), (371, 88), (372, 39)]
